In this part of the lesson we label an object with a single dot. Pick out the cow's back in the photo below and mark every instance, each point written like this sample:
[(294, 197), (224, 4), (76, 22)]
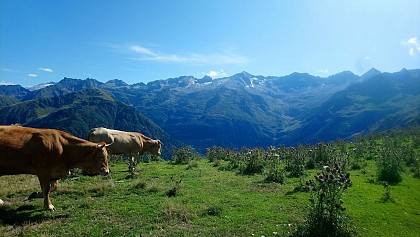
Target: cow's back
[(100, 135), (121, 142), (23, 150)]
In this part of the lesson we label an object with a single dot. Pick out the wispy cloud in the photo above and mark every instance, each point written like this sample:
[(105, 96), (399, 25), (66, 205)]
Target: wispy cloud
[(45, 69), (32, 75), (225, 57), (413, 45), (4, 69), (143, 51)]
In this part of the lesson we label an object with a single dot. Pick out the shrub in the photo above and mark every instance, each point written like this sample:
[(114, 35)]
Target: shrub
[(389, 167), (358, 153), (252, 161), (184, 155), (275, 175), (274, 172), (295, 161), (216, 153), (320, 155), (326, 217)]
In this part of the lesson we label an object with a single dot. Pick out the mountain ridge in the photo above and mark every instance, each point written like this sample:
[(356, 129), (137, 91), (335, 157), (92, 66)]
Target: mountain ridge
[(254, 110)]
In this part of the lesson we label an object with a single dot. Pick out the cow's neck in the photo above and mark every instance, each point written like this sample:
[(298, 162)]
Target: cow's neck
[(76, 150), (147, 139)]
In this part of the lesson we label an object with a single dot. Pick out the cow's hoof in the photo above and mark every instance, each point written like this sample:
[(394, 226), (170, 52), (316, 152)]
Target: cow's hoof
[(51, 208)]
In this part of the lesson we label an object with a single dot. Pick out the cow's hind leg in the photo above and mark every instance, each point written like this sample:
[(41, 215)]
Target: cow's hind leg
[(46, 187), (53, 185)]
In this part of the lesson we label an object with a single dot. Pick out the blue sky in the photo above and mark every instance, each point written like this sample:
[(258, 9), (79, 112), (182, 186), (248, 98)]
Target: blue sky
[(142, 41)]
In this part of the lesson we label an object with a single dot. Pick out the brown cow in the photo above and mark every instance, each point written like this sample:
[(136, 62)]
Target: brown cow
[(132, 144), (48, 154)]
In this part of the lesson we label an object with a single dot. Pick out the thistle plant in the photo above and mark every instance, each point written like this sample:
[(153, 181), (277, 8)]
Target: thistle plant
[(295, 161), (274, 171), (326, 217), (216, 153), (252, 161), (184, 155), (389, 166), (320, 155)]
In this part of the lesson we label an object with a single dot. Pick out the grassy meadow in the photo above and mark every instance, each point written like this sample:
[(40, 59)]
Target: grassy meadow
[(226, 193)]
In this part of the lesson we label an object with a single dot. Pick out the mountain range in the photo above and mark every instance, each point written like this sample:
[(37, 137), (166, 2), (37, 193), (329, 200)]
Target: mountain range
[(241, 110)]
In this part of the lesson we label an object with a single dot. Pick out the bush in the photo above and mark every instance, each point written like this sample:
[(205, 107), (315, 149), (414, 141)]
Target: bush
[(216, 153), (184, 155), (326, 217), (252, 161), (320, 154), (295, 161), (389, 167), (274, 172), (275, 175)]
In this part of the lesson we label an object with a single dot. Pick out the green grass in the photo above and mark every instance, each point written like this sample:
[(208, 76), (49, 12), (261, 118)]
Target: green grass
[(208, 202), (374, 215)]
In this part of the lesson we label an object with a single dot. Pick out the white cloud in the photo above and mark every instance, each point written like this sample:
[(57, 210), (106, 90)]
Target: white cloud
[(145, 54), (45, 69), (323, 71), (32, 75), (411, 52), (216, 74), (413, 45), (5, 83), (412, 40)]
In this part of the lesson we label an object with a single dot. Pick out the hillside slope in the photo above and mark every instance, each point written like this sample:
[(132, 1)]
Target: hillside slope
[(386, 101), (80, 111)]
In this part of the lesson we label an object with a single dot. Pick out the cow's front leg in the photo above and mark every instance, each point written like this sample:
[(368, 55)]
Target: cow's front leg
[(53, 187), (131, 164), (45, 187)]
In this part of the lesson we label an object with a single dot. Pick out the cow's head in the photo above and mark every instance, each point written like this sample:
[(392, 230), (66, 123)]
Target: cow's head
[(98, 162), (156, 148)]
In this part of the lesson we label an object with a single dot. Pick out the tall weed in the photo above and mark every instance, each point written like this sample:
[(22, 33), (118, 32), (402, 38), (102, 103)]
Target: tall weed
[(326, 212)]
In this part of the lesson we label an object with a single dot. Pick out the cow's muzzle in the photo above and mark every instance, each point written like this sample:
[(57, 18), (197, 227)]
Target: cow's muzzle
[(105, 172)]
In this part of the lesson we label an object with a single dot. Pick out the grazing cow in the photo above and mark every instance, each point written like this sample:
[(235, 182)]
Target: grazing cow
[(132, 144), (48, 154)]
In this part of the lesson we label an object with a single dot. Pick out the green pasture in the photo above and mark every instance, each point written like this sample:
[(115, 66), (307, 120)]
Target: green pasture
[(200, 198)]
